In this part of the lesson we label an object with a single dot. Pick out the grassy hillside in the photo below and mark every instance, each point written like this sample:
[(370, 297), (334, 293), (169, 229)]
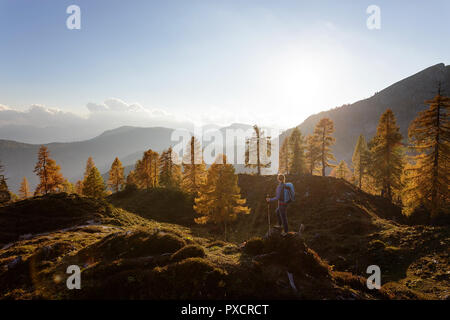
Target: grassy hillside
[(125, 256), (348, 228)]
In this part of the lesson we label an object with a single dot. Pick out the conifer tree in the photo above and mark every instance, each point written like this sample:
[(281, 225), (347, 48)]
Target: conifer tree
[(24, 191), (93, 185), (51, 179), (78, 188), (312, 153), (68, 187), (297, 161), (5, 194), (324, 140), (427, 176), (89, 165), (360, 160), (219, 200), (194, 168), (387, 155), (342, 171), (147, 170), (258, 150), (131, 179), (284, 155), (116, 178), (169, 170)]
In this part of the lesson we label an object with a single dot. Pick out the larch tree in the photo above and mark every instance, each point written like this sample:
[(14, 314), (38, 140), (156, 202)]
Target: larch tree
[(427, 176), (342, 171), (93, 185), (194, 168), (89, 165), (78, 188), (258, 150), (68, 187), (51, 179), (360, 160), (5, 194), (297, 161), (169, 169), (312, 153), (324, 139), (116, 178), (24, 190), (147, 170), (131, 179), (387, 155), (219, 200), (283, 157)]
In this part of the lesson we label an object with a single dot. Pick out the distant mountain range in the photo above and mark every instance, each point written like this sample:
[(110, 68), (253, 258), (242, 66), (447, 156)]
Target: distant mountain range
[(127, 143), (406, 98)]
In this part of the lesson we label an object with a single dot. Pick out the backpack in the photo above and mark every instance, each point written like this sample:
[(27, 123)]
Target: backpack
[(289, 193)]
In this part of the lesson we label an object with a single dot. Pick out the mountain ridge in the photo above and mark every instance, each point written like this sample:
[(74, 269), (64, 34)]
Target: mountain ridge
[(406, 98)]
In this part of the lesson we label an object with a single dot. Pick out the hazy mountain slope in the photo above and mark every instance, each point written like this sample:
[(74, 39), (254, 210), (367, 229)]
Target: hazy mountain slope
[(128, 143), (20, 158), (406, 98)]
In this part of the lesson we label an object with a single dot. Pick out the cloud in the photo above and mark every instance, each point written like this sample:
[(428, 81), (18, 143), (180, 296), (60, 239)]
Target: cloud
[(38, 116), (110, 114)]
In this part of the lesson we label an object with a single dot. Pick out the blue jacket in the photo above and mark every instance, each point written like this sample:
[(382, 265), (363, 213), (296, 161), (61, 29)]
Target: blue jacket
[(278, 194)]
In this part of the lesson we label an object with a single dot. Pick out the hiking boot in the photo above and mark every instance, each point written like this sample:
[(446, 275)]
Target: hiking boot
[(283, 233)]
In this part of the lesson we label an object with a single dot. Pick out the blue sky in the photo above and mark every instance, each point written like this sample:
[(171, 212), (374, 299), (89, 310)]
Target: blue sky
[(214, 61)]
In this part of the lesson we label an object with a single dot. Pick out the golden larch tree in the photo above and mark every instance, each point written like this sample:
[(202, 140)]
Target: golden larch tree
[(24, 190), (387, 155), (360, 161), (116, 177), (342, 171), (427, 175), (78, 188), (324, 139), (51, 179), (169, 169), (297, 163), (89, 165), (194, 168), (93, 185), (68, 187), (219, 200), (283, 157), (312, 153), (131, 179), (147, 170)]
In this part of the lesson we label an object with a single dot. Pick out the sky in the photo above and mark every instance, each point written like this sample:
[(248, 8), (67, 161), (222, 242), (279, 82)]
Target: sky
[(167, 63)]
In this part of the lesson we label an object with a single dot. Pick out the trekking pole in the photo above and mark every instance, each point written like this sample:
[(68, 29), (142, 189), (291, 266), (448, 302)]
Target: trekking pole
[(268, 212)]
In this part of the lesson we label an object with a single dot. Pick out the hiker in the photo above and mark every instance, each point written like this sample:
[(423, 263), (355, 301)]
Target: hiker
[(284, 195)]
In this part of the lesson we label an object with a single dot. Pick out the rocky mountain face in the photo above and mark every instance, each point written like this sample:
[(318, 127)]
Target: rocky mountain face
[(406, 98)]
